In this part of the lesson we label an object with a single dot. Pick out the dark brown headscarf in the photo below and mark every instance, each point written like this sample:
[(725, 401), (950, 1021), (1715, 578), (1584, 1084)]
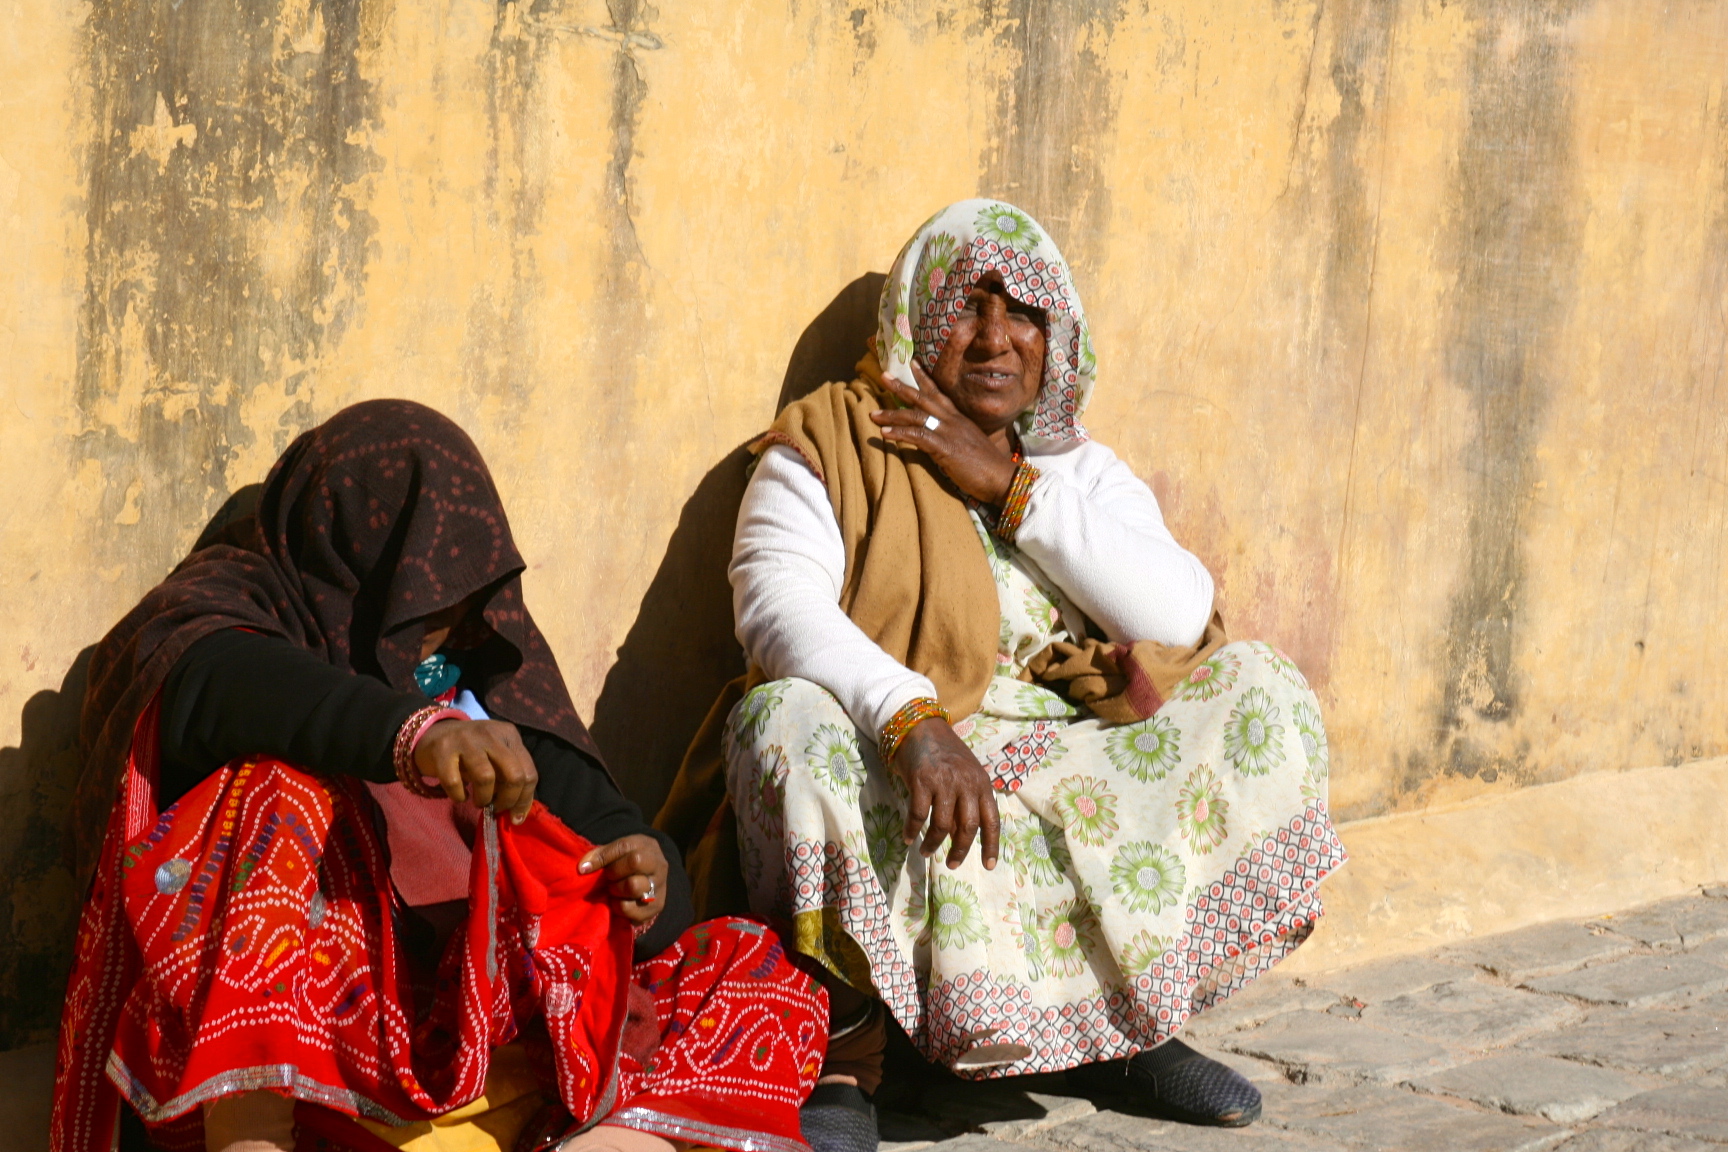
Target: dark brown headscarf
[(380, 516)]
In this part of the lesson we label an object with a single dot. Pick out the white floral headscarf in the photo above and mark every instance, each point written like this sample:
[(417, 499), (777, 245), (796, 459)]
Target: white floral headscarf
[(937, 271)]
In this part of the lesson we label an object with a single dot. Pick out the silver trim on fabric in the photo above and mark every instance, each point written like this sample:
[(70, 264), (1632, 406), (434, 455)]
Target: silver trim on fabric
[(285, 1077), (696, 1132)]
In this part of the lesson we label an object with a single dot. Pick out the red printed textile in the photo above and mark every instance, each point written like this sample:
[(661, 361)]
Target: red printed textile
[(246, 938)]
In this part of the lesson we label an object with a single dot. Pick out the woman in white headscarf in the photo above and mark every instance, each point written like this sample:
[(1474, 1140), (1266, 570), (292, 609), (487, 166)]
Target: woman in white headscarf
[(968, 624)]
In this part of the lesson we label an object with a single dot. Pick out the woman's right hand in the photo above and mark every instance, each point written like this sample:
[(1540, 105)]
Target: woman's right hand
[(950, 789), (480, 760)]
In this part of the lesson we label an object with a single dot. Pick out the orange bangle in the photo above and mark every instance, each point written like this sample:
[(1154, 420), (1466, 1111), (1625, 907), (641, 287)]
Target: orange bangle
[(408, 739), (912, 713), (1014, 504)]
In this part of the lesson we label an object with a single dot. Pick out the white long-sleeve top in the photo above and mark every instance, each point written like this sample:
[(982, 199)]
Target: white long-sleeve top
[(1091, 525)]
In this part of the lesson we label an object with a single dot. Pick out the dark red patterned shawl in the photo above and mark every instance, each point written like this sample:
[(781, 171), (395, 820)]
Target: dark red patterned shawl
[(377, 517)]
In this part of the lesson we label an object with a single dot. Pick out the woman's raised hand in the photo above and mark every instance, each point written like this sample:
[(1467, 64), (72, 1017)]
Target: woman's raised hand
[(636, 871), (950, 789), (480, 760), (967, 455)]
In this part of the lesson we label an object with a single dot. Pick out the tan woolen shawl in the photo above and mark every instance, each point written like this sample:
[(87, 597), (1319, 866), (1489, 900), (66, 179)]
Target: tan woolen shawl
[(916, 582)]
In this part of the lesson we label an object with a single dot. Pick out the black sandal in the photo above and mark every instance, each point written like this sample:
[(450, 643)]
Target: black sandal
[(839, 1118), (1178, 1082)]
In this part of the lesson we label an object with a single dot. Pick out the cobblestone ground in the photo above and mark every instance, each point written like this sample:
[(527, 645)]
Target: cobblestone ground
[(1608, 1035)]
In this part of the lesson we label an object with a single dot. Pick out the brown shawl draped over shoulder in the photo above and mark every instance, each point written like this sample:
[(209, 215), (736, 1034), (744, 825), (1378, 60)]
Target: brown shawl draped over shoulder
[(916, 582)]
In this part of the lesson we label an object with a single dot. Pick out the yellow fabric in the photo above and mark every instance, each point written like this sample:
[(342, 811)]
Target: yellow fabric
[(489, 1124)]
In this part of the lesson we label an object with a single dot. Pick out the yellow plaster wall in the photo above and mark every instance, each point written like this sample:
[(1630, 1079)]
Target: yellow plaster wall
[(1412, 311)]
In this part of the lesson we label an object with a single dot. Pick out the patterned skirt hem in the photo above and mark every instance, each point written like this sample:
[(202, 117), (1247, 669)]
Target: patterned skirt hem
[(683, 1128), (1241, 927), (280, 1077)]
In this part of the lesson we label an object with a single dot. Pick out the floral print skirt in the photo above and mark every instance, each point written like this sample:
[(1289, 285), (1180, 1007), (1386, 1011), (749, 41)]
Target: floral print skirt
[(1147, 870)]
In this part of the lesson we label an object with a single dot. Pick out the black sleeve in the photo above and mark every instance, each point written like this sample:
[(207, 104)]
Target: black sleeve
[(579, 792), (237, 693)]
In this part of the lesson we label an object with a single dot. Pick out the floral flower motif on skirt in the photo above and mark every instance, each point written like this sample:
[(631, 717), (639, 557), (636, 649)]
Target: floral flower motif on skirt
[(753, 711), (1313, 734), (1022, 919), (1147, 876), (1200, 810), (833, 756), (883, 828), (1143, 951), (1280, 663), (1253, 736), (770, 790), (1213, 678), (1041, 702), (1147, 750), (956, 918), (1036, 851), (1066, 932), (1087, 808)]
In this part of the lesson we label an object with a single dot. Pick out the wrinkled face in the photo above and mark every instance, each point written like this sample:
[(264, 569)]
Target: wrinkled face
[(993, 363)]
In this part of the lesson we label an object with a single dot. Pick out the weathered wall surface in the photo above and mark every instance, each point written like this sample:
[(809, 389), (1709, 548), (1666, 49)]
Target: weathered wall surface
[(1411, 310)]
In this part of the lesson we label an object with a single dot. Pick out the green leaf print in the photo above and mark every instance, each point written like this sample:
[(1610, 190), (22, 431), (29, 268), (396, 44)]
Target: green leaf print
[(1201, 809), (1147, 750), (956, 917), (882, 835), (754, 711), (1145, 950), (1041, 609), (833, 757), (1212, 678), (1313, 733), (769, 787), (1036, 703), (1065, 933), (1036, 851), (1006, 226), (1252, 735), (1087, 809), (1023, 921), (1280, 663), (1148, 876), (917, 915)]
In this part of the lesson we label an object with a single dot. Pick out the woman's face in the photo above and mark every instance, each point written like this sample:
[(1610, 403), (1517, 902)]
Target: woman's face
[(993, 364), (440, 624)]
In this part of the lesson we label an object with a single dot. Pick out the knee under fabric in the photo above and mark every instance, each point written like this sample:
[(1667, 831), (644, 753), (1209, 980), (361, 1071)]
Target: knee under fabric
[(607, 1138), (856, 1047), (249, 1122)]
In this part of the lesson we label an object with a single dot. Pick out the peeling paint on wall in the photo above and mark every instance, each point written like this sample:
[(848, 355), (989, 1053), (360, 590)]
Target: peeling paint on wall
[(1415, 314)]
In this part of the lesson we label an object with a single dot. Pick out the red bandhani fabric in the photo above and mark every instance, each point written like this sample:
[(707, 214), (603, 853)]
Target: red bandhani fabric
[(249, 938)]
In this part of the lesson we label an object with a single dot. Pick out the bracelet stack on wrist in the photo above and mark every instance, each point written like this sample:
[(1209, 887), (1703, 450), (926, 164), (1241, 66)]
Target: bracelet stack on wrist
[(912, 713), (408, 739), (1014, 504)]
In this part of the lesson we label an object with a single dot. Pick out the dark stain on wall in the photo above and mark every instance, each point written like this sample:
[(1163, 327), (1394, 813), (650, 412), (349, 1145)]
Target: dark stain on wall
[(1515, 243), (1361, 59), (1054, 116), (224, 249), (225, 245)]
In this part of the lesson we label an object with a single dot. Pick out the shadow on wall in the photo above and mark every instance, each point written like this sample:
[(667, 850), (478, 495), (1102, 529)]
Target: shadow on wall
[(681, 651), (37, 780)]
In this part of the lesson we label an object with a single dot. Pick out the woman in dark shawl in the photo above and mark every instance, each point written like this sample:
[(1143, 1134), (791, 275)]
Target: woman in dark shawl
[(357, 841)]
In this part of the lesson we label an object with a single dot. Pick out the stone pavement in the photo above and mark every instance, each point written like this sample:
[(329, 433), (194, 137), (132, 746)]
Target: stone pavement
[(1609, 1035), (1603, 1036)]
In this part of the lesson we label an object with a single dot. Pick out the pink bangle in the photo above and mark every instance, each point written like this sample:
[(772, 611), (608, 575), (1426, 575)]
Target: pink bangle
[(408, 739)]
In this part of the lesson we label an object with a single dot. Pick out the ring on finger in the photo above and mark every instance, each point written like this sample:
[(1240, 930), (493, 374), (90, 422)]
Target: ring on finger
[(648, 896), (932, 423)]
